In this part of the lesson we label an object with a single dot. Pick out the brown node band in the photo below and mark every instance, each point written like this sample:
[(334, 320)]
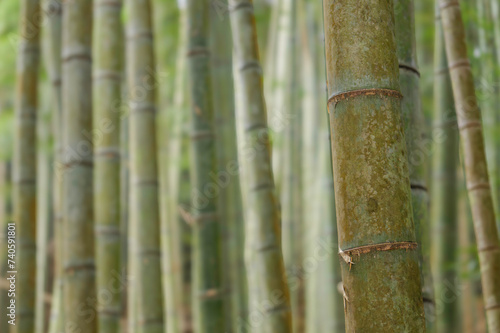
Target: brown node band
[(459, 63), (489, 248), (347, 254), (198, 51), (470, 124), (492, 307), (478, 186), (364, 92), (449, 4), (242, 5), (211, 294)]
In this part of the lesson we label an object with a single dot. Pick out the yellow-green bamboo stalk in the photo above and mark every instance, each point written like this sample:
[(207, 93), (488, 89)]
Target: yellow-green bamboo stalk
[(5, 218), (24, 163), (477, 179), (107, 80), (53, 17), (78, 220), (444, 195), (144, 231), (377, 241), (229, 199), (269, 304)]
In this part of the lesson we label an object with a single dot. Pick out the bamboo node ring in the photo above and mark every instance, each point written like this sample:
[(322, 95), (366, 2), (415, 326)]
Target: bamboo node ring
[(348, 254), (364, 92)]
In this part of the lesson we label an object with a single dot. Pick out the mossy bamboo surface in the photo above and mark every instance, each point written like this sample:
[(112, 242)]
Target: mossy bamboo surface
[(144, 227), (229, 204), (444, 195), (170, 173), (53, 10), (269, 310), (477, 180), (413, 125), (25, 164), (78, 213), (379, 255), (207, 286), (107, 81)]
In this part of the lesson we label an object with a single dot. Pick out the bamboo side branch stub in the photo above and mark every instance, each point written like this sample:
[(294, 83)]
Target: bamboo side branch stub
[(476, 171)]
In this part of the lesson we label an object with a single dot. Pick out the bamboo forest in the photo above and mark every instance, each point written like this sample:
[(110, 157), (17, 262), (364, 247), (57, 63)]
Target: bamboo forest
[(249, 166)]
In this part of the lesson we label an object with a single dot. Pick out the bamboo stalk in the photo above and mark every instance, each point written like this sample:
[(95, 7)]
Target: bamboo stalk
[(208, 293), (5, 218), (145, 291), (444, 195), (268, 293), (471, 133), (229, 199), (25, 164), (107, 80), (78, 246), (413, 126), (370, 169)]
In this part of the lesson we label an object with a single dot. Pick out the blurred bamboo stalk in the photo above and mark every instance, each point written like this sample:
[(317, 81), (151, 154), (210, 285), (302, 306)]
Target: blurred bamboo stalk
[(444, 195), (24, 167), (267, 290), (477, 179), (78, 218), (107, 82), (145, 291)]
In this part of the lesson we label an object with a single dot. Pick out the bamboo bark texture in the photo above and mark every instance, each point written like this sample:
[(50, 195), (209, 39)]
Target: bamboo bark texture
[(107, 82), (377, 242), (444, 195), (269, 310), (476, 170), (25, 162), (78, 257), (144, 230)]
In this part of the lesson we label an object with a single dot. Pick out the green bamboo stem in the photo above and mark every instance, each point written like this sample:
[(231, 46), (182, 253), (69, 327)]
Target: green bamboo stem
[(45, 233), (107, 80), (444, 195), (124, 213), (144, 231), (229, 199), (413, 125), (78, 246), (53, 10), (493, 116), (471, 133), (24, 164), (269, 305), (372, 188), (170, 173), (207, 285)]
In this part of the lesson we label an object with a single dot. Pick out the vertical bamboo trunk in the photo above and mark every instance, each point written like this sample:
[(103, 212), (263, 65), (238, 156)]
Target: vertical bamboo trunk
[(78, 248), (144, 231), (444, 195), (413, 125), (377, 243), (53, 12), (45, 225), (493, 116), (229, 199), (471, 133), (170, 173), (269, 304), (291, 184), (24, 164), (5, 218), (124, 197), (324, 310), (107, 80), (208, 290)]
